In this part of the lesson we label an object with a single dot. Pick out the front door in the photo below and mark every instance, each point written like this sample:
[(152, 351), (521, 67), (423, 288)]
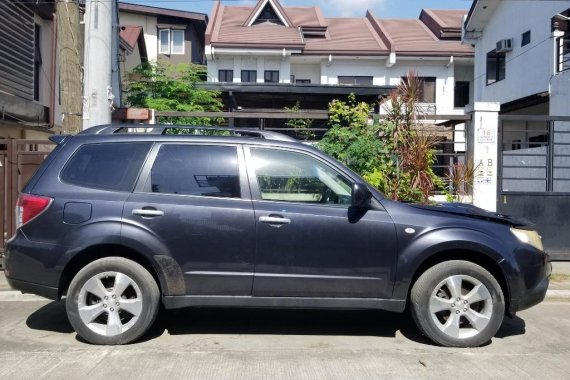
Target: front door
[(310, 241), (195, 200)]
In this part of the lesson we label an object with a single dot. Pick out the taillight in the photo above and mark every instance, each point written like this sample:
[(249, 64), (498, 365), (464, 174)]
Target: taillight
[(29, 206)]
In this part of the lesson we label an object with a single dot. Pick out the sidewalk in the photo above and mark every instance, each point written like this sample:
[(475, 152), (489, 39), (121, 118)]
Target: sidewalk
[(559, 285)]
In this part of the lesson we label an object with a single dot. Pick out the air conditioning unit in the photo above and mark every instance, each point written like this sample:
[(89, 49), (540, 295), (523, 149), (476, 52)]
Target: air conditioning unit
[(505, 45)]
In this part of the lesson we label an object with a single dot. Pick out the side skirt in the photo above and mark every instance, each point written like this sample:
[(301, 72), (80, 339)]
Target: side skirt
[(176, 302)]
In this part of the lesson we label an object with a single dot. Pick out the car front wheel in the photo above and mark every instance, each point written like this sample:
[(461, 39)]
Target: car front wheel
[(457, 304), (112, 301)]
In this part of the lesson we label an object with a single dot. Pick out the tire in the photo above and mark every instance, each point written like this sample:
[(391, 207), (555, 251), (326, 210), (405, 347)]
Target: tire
[(112, 301), (457, 304)]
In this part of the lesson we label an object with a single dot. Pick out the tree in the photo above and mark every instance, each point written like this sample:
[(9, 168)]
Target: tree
[(167, 87), (301, 126), (394, 155), (351, 139)]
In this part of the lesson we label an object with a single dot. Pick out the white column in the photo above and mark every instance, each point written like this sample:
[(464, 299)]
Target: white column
[(483, 133), (285, 72), (98, 93), (260, 69), (237, 69)]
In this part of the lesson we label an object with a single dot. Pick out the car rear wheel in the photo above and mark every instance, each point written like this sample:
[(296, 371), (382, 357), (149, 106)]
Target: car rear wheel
[(457, 304), (112, 301)]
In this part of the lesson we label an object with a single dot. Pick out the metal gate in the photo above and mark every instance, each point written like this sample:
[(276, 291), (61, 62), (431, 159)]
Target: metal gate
[(534, 176), (19, 159)]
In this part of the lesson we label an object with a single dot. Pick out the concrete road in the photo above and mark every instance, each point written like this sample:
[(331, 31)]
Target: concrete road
[(37, 342)]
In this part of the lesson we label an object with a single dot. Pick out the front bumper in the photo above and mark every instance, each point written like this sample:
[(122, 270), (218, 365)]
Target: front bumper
[(532, 280)]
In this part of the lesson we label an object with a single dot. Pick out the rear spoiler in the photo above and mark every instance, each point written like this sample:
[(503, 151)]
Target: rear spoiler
[(58, 139)]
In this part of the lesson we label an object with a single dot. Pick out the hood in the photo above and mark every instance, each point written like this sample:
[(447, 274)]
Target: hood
[(474, 212)]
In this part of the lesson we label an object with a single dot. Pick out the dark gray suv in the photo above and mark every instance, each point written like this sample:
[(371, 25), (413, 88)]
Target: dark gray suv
[(119, 220)]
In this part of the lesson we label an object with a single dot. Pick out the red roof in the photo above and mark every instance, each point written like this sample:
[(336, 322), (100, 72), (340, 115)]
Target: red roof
[(229, 31), (412, 37), (348, 36), (437, 32), (130, 34)]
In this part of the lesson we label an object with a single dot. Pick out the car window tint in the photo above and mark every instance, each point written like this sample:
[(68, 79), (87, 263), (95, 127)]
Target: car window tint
[(196, 170), (109, 166), (295, 177)]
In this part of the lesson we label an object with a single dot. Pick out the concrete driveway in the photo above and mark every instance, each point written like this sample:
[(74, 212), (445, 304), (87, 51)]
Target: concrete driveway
[(37, 342)]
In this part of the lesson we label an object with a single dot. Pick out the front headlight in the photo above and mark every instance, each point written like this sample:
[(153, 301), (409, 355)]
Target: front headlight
[(528, 237)]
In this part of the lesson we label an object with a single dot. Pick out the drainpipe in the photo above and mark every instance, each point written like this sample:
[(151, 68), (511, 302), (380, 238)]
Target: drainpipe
[(53, 72)]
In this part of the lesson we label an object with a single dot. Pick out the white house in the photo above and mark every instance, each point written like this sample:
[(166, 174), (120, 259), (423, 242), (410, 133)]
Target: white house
[(305, 53), (521, 54), (522, 63)]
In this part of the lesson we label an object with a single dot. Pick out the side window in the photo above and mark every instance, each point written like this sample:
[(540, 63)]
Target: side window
[(295, 177), (112, 166), (196, 170)]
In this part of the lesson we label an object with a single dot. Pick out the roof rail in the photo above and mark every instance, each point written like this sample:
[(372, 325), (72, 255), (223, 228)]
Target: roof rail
[(161, 130)]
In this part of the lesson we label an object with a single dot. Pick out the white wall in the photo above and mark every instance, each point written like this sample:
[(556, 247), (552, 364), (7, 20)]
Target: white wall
[(528, 68), (258, 63), (327, 72), (307, 71), (353, 67), (560, 94), (149, 28)]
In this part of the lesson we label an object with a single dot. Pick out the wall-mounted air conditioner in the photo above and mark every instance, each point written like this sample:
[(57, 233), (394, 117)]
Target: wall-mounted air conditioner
[(505, 45)]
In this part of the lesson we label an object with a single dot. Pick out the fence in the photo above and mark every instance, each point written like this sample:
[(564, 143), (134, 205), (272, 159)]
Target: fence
[(19, 159)]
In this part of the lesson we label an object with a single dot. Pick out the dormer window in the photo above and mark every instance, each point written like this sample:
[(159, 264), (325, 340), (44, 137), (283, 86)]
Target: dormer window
[(314, 32), (268, 15)]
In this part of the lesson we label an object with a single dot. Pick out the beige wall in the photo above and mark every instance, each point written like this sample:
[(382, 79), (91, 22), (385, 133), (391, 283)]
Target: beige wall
[(149, 28)]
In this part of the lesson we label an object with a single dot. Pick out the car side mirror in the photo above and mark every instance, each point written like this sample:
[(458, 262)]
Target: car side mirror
[(361, 196)]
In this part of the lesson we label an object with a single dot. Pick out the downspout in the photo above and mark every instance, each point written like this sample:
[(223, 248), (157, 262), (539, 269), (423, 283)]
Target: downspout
[(53, 76)]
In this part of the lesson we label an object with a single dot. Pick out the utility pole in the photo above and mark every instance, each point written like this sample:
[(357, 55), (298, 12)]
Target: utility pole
[(99, 53), (70, 46)]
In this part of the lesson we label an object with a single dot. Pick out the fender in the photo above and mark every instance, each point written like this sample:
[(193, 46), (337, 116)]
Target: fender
[(428, 245), (136, 238), (143, 240)]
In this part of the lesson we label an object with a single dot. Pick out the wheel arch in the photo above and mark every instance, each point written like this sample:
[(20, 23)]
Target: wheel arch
[(99, 251), (482, 259)]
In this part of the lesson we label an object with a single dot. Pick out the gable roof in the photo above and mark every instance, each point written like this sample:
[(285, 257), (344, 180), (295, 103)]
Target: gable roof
[(229, 31), (277, 7), (435, 33), (129, 37)]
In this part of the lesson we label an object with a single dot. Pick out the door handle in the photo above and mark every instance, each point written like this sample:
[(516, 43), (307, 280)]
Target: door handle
[(148, 213), (274, 220)]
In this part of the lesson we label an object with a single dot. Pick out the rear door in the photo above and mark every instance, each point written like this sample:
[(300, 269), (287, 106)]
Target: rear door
[(310, 241), (194, 198)]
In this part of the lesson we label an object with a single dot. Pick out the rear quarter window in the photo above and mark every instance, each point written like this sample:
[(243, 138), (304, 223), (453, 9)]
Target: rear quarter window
[(108, 166)]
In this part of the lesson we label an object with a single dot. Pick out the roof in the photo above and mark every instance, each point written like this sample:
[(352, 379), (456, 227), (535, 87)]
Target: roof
[(348, 36), (229, 31), (479, 14), (130, 34), (156, 11), (435, 33), (444, 24), (129, 37), (413, 37)]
